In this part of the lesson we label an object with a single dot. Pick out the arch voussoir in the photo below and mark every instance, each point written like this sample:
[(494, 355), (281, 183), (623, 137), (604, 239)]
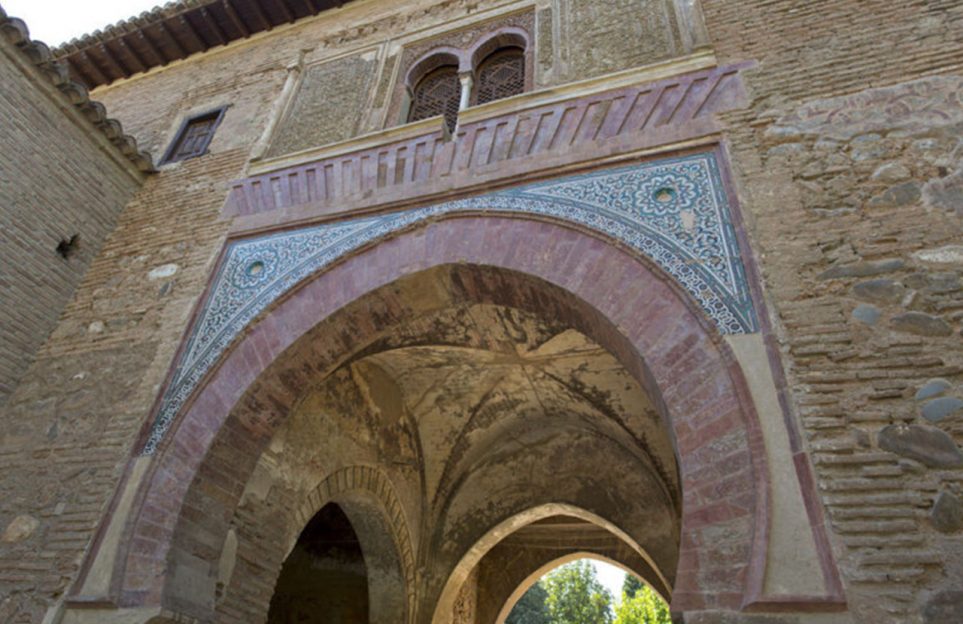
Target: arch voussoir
[(619, 299)]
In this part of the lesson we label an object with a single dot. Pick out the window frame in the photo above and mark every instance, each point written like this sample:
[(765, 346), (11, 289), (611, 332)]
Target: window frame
[(420, 84), (467, 56), (509, 48), (180, 135)]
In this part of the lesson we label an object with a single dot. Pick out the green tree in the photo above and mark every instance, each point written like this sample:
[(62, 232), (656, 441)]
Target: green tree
[(575, 595), (631, 585), (530, 608), (644, 607)]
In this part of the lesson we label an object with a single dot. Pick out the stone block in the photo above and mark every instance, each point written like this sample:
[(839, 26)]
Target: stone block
[(945, 193), (864, 269), (947, 513), (941, 283), (866, 313), (20, 529), (928, 445), (944, 608), (879, 291), (933, 388), (892, 172), (900, 195), (921, 324), (942, 408), (948, 254)]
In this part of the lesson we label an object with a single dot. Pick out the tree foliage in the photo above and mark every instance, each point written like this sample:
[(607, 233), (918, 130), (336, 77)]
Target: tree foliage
[(631, 585), (530, 608), (643, 607), (572, 594), (575, 595)]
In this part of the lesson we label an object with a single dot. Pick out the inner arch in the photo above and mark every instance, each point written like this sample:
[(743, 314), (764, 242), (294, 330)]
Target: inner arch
[(325, 578)]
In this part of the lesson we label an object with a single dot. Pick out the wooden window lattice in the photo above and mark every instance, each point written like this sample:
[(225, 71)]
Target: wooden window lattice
[(501, 75), (194, 137), (438, 93)]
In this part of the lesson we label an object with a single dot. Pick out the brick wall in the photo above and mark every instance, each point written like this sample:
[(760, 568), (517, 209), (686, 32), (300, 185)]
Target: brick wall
[(56, 182)]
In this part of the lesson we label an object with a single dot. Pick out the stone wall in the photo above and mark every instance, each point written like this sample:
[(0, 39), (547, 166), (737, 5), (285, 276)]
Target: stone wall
[(634, 32), (846, 167), (57, 184), (330, 104)]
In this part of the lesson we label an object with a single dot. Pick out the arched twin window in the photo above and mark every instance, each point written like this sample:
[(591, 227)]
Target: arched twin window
[(499, 75), (437, 93)]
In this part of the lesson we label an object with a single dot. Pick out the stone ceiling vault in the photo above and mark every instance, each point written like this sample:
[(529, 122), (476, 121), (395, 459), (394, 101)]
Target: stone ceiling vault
[(476, 413)]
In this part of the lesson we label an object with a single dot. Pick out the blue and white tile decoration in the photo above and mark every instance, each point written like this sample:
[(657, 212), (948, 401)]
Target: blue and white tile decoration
[(673, 211)]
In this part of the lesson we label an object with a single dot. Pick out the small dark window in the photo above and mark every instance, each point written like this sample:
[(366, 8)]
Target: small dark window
[(500, 75), (438, 93), (194, 137)]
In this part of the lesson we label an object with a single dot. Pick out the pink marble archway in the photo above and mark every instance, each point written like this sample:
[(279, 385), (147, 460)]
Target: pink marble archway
[(617, 298)]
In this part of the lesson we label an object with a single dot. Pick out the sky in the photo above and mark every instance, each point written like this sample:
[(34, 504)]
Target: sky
[(610, 576), (58, 21)]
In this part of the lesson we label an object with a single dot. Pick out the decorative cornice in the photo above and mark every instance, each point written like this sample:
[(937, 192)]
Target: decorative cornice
[(505, 146), (175, 31), (38, 55)]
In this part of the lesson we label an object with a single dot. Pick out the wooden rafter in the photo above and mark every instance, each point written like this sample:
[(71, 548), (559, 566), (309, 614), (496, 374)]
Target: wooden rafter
[(178, 32), (286, 10), (169, 34), (152, 48), (114, 61), (235, 18), (215, 27), (99, 74), (196, 36), (80, 71), (261, 15), (133, 53)]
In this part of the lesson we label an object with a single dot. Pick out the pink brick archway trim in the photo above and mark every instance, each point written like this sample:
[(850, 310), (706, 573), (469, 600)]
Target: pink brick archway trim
[(624, 303)]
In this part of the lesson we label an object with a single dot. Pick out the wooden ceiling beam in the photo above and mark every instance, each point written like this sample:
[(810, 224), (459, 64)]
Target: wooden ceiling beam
[(78, 70), (286, 10), (215, 27), (142, 65), (196, 36), (261, 15), (114, 61), (99, 76), (152, 48), (103, 59), (235, 18), (169, 34)]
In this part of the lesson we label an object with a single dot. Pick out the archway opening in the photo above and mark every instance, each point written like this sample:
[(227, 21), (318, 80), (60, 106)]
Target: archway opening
[(324, 579), (589, 589), (486, 399), (565, 567)]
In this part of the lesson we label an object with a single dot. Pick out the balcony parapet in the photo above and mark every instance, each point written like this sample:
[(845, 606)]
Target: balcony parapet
[(497, 143)]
